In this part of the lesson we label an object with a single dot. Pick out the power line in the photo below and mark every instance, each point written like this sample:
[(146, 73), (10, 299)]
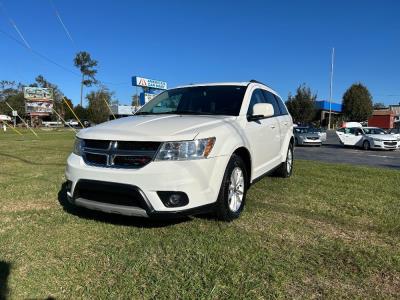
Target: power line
[(14, 25), (39, 54), (67, 32), (26, 45)]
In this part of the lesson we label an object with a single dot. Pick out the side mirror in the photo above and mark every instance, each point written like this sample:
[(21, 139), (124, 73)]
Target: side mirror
[(261, 111)]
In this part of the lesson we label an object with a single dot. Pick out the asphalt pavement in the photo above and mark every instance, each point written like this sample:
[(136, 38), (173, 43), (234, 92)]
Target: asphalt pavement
[(332, 151)]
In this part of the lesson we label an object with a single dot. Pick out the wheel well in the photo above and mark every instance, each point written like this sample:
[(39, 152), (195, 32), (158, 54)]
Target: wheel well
[(245, 155)]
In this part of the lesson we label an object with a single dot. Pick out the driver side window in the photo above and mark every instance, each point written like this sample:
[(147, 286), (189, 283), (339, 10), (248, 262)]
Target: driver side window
[(257, 97)]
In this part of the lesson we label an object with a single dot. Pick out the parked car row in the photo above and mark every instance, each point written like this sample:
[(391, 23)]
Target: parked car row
[(368, 138), (353, 134)]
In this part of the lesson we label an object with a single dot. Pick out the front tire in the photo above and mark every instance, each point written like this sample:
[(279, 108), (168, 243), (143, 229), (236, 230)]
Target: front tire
[(366, 145), (232, 194), (286, 168)]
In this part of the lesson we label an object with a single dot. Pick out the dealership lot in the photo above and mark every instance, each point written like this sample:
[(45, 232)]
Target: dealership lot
[(331, 151), (298, 238)]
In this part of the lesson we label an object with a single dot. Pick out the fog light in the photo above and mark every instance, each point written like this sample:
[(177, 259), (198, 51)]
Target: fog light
[(173, 199)]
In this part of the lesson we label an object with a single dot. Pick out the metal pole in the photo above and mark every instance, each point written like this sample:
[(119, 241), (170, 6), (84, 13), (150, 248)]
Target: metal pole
[(70, 108), (330, 89), (26, 124), (63, 120)]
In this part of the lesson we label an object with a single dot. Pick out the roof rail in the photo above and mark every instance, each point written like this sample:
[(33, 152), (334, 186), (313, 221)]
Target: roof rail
[(256, 81), (259, 82)]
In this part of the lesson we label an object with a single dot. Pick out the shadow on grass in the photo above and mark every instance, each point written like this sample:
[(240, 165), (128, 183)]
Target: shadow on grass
[(116, 219), (4, 273), (30, 162)]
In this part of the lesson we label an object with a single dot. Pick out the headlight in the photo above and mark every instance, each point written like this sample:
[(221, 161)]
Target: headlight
[(377, 140), (78, 147), (186, 150)]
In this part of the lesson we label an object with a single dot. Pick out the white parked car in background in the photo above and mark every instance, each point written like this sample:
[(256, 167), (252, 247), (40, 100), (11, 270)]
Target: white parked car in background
[(191, 149), (368, 138)]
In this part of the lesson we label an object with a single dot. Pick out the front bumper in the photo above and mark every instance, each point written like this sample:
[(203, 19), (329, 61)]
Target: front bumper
[(310, 142), (200, 180), (386, 145)]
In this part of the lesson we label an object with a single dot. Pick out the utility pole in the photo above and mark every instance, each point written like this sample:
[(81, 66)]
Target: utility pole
[(330, 89), (82, 88)]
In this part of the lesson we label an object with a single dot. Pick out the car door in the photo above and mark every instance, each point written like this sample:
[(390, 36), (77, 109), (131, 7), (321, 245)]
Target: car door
[(264, 138), (353, 136), (285, 122)]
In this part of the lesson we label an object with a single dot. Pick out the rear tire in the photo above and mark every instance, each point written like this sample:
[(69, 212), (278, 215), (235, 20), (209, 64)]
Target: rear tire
[(366, 145), (232, 194), (286, 168)]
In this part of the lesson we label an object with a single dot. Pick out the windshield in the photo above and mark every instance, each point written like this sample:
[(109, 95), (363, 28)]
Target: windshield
[(305, 130), (373, 131), (197, 100)]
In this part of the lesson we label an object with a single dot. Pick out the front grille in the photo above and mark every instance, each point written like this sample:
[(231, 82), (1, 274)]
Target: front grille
[(97, 144), (390, 143), (131, 161), (108, 192), (313, 138), (119, 154), (98, 159)]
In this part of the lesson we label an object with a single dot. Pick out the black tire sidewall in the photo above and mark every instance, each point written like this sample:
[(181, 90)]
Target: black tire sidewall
[(366, 145), (288, 174), (223, 210)]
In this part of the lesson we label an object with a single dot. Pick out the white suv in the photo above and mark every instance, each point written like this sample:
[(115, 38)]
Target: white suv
[(191, 149)]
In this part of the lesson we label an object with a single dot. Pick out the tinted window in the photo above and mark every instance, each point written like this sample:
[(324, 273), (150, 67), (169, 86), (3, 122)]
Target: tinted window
[(374, 131), (349, 131), (270, 98), (257, 97), (198, 100), (282, 106)]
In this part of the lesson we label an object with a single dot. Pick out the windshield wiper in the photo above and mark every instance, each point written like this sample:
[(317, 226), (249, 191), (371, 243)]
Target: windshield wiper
[(191, 112), (153, 113)]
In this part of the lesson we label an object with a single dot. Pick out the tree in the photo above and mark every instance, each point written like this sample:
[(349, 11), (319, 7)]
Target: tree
[(81, 112), (98, 110), (357, 103), (86, 65), (379, 105), (135, 100), (16, 101), (12, 93), (302, 105), (67, 112)]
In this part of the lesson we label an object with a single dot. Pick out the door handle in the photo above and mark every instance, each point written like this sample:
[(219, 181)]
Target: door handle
[(285, 123), (272, 126)]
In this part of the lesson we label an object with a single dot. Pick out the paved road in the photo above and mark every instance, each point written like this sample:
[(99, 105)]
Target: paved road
[(333, 152)]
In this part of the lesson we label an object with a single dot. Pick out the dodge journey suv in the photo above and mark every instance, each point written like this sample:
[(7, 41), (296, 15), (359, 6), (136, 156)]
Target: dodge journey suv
[(191, 149)]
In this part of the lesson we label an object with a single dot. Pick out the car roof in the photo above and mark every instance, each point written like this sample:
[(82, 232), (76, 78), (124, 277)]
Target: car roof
[(238, 83)]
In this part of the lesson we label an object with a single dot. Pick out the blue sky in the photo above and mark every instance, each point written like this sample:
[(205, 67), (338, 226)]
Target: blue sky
[(282, 43)]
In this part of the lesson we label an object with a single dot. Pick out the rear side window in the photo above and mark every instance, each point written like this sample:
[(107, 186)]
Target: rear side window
[(282, 106), (270, 98)]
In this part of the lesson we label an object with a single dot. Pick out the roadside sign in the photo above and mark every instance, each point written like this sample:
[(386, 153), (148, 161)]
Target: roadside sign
[(38, 101), (149, 83), (14, 113), (38, 94)]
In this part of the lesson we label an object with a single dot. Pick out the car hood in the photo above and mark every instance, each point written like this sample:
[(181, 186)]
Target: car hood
[(386, 137), (153, 128)]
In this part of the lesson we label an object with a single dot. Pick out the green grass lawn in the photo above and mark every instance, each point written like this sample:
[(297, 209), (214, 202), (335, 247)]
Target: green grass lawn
[(330, 231)]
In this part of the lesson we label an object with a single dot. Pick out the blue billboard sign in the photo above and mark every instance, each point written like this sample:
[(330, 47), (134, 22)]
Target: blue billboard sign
[(149, 83)]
